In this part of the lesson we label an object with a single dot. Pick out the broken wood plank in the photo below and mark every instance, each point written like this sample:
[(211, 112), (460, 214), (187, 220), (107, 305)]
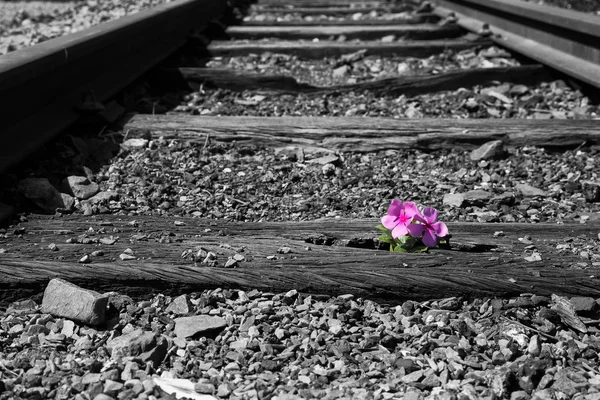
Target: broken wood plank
[(364, 32), (423, 48), (357, 134), (411, 20), (342, 258), (399, 85)]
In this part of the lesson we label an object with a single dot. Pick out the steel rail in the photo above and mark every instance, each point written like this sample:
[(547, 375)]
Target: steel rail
[(42, 86), (568, 41)]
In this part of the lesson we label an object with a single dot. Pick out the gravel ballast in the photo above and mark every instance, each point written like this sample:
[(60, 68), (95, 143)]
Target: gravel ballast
[(255, 345)]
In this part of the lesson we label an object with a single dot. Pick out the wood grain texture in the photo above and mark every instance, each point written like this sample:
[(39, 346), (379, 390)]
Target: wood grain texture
[(364, 32), (313, 50), (399, 85), (413, 19), (321, 4), (336, 10), (356, 134), (326, 257)]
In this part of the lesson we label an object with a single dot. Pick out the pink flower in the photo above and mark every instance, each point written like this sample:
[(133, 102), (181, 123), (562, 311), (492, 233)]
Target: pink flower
[(428, 227), (400, 215)]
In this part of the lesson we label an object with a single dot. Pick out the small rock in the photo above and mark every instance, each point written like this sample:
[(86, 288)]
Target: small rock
[(112, 387), (180, 305), (103, 198), (131, 344), (102, 396), (231, 263), (80, 187), (493, 150), (204, 387), (529, 191), (503, 198), (63, 299), (519, 395), (330, 159), (454, 199), (477, 197), (126, 257), (22, 307), (534, 347), (135, 144), (583, 304), (388, 39), (197, 324), (42, 193), (86, 259), (340, 71), (591, 191), (566, 381), (53, 247), (284, 250)]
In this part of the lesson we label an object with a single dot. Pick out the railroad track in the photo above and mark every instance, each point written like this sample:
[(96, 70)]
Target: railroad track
[(346, 34), (251, 171)]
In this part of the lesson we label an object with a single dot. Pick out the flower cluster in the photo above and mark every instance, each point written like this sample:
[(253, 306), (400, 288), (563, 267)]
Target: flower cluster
[(408, 229)]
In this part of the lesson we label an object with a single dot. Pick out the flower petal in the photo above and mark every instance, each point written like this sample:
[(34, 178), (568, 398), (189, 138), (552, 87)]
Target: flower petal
[(399, 231), (415, 230), (395, 208), (389, 221), (440, 229), (419, 217), (429, 239), (430, 214), (410, 209)]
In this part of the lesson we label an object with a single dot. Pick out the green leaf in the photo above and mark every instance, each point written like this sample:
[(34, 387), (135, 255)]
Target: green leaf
[(382, 228), (399, 249), (385, 239), (420, 249)]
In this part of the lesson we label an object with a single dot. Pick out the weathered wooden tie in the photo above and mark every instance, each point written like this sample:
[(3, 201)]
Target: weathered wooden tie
[(357, 134), (366, 32), (408, 20), (398, 85), (314, 50), (336, 10), (323, 257)]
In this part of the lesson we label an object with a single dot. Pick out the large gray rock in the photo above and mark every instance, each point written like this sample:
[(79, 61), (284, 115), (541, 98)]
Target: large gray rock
[(80, 187), (64, 299), (477, 197), (190, 326), (488, 151), (454, 199), (42, 193), (530, 191)]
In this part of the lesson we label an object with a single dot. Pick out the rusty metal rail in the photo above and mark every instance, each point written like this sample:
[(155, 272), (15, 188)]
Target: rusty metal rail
[(42, 87), (568, 41)]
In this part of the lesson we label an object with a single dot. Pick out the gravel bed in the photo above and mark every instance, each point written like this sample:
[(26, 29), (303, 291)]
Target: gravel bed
[(24, 24), (253, 345), (250, 184)]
